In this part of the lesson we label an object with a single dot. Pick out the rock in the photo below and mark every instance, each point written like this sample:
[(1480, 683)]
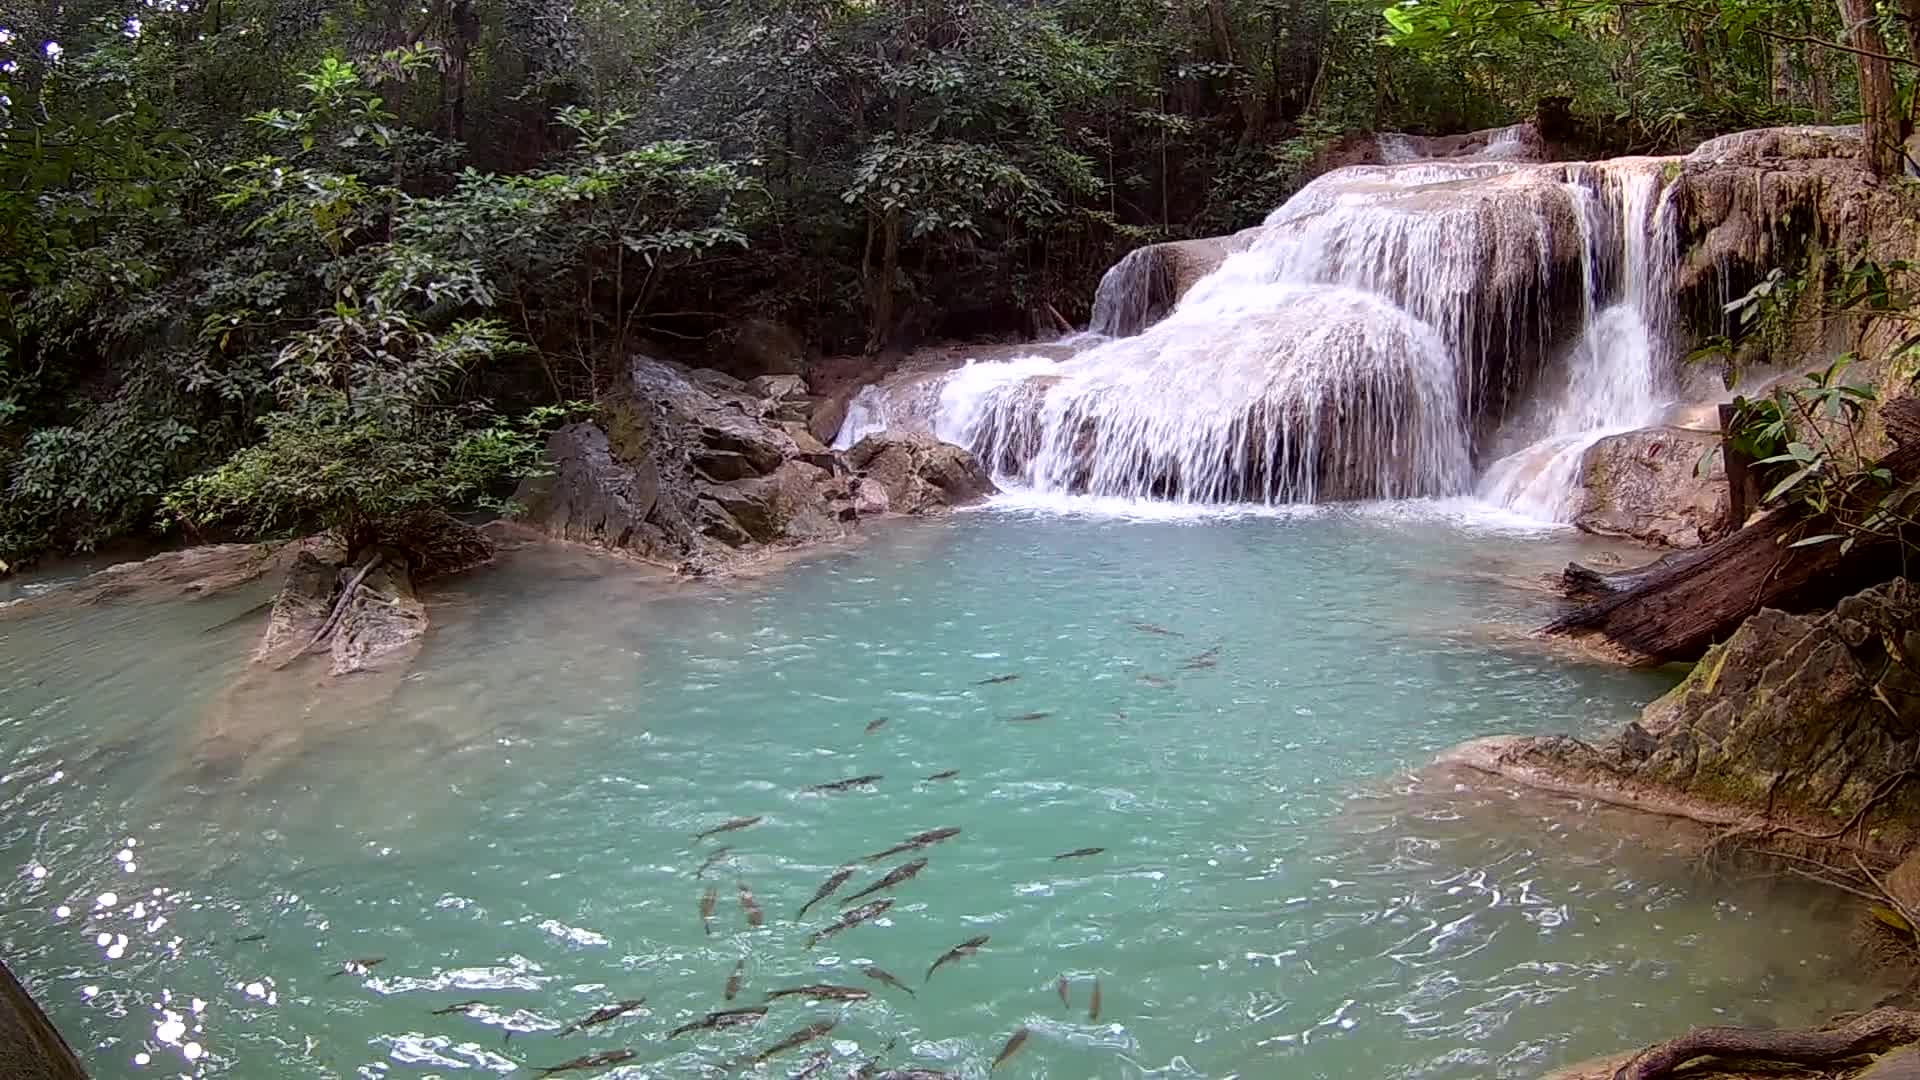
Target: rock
[(759, 346), (1901, 1064), (1647, 485), (1149, 281), (698, 469), (1803, 717), (300, 609), (192, 572), (1903, 883), (383, 624), (920, 473), (31, 1048)]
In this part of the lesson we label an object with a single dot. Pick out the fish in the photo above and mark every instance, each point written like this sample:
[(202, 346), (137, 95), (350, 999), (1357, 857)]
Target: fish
[(849, 920), (1150, 628), (821, 992), (912, 1074), (964, 949), (249, 939), (899, 875), (876, 725), (1028, 718), (947, 775), (732, 826), (997, 680), (1066, 992), (917, 840), (882, 975), (734, 980), (799, 1038), (461, 1007), (711, 859), (358, 967), (1093, 1009), (814, 1065), (723, 1019), (1199, 665), (601, 1016), (871, 1067), (709, 901), (826, 889), (1203, 657), (1018, 1040), (1158, 682), (1078, 853), (755, 917), (847, 785), (590, 1061)]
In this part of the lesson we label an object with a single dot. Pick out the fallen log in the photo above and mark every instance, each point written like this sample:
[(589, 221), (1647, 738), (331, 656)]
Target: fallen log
[(1872, 1033), (1677, 607), (1587, 583)]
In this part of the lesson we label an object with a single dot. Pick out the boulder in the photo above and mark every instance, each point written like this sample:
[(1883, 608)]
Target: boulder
[(301, 608), (919, 473), (383, 625), (759, 346), (1805, 720), (1149, 281), (697, 468), (1649, 485)]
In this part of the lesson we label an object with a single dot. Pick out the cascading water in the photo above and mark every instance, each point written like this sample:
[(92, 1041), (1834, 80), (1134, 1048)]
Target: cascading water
[(1382, 328)]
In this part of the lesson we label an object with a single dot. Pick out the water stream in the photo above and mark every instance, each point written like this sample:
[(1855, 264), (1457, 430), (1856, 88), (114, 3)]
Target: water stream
[(512, 822)]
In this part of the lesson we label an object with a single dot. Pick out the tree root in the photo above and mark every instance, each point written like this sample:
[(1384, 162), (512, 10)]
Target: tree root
[(340, 605), (1871, 1033)]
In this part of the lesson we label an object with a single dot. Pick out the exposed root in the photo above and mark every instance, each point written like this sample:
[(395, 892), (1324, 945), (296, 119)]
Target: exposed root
[(1875, 1032), (339, 606)]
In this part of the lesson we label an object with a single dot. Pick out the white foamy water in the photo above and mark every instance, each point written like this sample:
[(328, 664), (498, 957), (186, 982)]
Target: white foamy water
[(1385, 332)]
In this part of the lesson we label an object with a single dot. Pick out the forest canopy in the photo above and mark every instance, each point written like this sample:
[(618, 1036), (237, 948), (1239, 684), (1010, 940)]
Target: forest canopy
[(271, 266)]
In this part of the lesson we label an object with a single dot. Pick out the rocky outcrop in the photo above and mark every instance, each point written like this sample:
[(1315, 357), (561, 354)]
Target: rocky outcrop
[(915, 474), (1665, 486), (699, 469), (1810, 722), (30, 1047), (1146, 284), (380, 622)]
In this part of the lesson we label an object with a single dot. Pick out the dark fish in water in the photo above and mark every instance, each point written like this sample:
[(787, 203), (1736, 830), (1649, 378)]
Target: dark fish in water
[(1078, 853), (358, 967), (826, 889), (711, 859), (821, 992), (734, 980), (1093, 1010), (1156, 681), (799, 1038), (876, 725), (755, 917), (249, 939), (600, 1060), (916, 841), (724, 1019), (898, 875), (459, 1008), (709, 901), (871, 1067), (1204, 657), (964, 949), (1199, 665), (732, 826), (847, 785), (1013, 1046), (1028, 718), (1150, 628), (1066, 992), (814, 1065), (601, 1016), (948, 775), (997, 680), (912, 1074), (849, 920), (882, 975)]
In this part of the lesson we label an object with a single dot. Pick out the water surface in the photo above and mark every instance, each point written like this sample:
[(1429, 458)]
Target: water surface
[(511, 822)]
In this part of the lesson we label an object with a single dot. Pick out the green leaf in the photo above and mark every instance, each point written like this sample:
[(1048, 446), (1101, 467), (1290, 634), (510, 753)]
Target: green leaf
[(1788, 484), (1813, 540)]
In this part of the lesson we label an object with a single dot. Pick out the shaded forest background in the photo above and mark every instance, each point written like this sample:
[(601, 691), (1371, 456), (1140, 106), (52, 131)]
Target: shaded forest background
[(273, 265)]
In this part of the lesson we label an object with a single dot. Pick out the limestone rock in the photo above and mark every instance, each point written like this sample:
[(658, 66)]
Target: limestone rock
[(301, 608), (1802, 716), (920, 473), (1648, 485), (760, 346), (1147, 282), (383, 624)]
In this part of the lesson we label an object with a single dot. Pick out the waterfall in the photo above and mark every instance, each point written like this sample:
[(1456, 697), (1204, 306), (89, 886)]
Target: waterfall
[(1383, 332)]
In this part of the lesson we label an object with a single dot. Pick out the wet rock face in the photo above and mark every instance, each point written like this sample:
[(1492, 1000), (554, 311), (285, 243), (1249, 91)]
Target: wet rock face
[(698, 468), (918, 473), (1648, 485), (1807, 718)]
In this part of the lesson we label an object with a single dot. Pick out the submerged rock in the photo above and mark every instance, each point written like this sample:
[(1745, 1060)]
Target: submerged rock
[(699, 469), (1664, 485), (1811, 721), (383, 624)]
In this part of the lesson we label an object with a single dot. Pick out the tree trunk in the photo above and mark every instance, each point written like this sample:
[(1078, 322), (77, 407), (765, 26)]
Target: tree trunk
[(466, 30), (1879, 112), (1873, 1033), (1676, 608)]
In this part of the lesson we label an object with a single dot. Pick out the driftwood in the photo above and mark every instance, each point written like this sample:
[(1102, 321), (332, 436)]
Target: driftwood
[(340, 605), (1588, 583), (1872, 1033), (1676, 608)]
